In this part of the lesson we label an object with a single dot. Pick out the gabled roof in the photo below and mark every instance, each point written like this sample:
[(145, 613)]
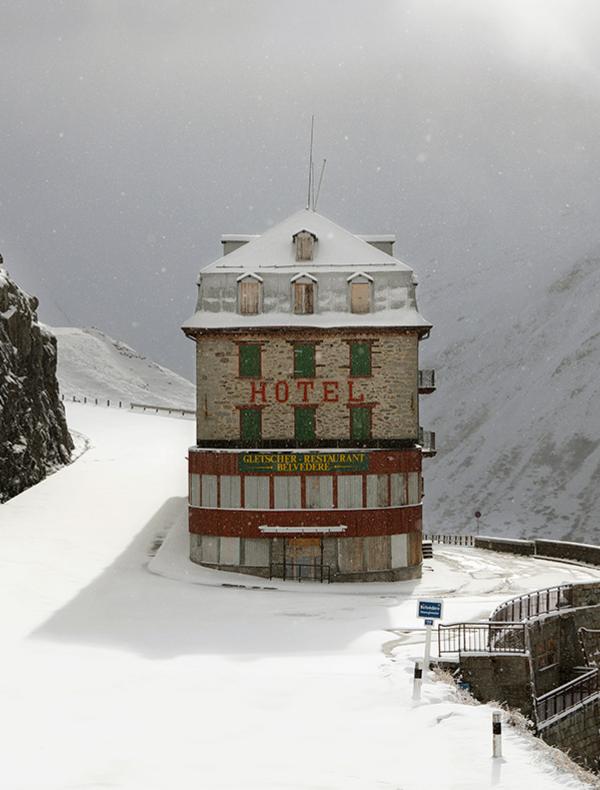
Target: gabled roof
[(275, 251)]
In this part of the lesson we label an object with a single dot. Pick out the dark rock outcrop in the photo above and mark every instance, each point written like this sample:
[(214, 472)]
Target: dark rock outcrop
[(34, 438)]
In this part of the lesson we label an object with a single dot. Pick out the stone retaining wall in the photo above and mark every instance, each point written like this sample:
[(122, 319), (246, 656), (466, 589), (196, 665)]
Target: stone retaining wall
[(576, 733)]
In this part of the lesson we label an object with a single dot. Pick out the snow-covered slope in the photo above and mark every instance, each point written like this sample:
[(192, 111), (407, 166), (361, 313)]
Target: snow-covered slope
[(116, 676), (517, 410), (94, 365)]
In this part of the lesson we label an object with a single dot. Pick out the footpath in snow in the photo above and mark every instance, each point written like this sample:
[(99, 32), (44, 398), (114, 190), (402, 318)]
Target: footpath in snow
[(126, 666)]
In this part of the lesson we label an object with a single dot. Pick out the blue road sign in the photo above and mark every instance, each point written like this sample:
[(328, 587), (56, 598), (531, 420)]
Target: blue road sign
[(428, 622), (430, 609)]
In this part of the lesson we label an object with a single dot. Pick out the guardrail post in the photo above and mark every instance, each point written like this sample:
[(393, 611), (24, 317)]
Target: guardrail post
[(496, 735)]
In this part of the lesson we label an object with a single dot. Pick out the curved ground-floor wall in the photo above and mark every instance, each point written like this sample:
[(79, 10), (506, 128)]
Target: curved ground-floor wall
[(349, 515), (314, 558)]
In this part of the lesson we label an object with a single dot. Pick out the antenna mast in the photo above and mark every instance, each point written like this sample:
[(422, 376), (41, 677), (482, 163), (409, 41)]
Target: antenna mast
[(316, 200), (310, 196)]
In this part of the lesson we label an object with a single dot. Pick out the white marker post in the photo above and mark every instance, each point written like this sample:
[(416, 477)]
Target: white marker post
[(430, 610), (417, 681), (496, 735)]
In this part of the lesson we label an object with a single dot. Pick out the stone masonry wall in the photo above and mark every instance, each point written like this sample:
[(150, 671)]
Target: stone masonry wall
[(392, 386), (576, 733)]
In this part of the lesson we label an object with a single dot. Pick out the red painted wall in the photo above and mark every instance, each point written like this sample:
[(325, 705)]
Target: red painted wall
[(246, 523)]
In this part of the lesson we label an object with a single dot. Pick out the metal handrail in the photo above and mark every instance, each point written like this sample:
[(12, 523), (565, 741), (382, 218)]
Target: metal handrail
[(483, 637), (451, 540), (567, 696), (524, 607), (300, 571)]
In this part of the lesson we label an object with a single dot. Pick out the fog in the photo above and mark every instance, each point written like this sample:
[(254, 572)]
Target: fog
[(135, 133)]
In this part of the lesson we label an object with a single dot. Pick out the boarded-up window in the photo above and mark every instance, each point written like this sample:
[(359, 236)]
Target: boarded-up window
[(229, 553), (414, 492), (319, 492), (256, 552), (351, 555), (304, 423), (397, 489), (415, 546), (195, 500), (287, 493), (230, 491), (250, 425), (305, 242), (304, 298), (377, 491), (360, 297), (350, 491), (360, 423), (378, 553), (256, 493), (249, 360), (210, 549), (248, 296), (399, 551), (304, 360), (209, 491)]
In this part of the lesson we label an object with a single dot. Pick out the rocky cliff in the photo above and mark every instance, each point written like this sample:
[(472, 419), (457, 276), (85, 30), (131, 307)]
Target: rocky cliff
[(34, 438)]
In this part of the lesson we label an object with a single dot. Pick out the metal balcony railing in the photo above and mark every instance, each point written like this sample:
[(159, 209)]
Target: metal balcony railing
[(481, 638), (533, 604), (427, 442), (426, 381)]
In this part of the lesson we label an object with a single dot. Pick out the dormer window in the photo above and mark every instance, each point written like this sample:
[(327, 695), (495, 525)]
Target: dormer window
[(305, 244), (361, 293), (249, 294), (303, 293)]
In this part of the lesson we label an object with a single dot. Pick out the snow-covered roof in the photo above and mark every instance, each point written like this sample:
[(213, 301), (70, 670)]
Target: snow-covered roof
[(274, 249), (338, 256)]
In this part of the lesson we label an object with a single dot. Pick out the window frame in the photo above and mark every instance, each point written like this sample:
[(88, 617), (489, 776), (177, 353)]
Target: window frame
[(313, 347), (369, 344), (245, 279), (306, 409), (243, 346), (366, 410), (250, 409)]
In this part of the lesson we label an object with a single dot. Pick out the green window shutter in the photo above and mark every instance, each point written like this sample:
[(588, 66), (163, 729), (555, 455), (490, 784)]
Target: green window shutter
[(250, 361), (304, 424), (360, 359), (304, 361), (250, 424), (360, 423)]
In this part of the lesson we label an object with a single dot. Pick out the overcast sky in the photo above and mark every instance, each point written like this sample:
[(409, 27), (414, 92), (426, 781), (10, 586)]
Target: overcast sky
[(135, 133)]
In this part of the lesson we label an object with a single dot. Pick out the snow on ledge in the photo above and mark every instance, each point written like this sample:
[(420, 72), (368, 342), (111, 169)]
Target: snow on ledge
[(302, 530)]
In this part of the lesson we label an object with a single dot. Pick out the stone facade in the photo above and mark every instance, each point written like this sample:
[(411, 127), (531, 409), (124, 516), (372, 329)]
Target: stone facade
[(307, 462), (392, 387)]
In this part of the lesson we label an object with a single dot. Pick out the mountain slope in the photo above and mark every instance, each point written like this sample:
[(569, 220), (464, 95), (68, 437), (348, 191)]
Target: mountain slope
[(517, 411), (33, 431), (94, 365)]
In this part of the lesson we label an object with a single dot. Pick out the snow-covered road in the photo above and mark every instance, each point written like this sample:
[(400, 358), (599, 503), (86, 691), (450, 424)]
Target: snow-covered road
[(126, 670)]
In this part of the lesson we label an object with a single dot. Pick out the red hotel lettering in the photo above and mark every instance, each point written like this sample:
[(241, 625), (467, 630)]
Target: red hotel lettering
[(330, 392), (304, 385), (258, 389), (282, 391), (351, 393)]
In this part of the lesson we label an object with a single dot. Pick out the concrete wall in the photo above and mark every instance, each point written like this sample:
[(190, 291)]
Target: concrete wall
[(580, 552), (512, 546), (392, 388), (576, 733)]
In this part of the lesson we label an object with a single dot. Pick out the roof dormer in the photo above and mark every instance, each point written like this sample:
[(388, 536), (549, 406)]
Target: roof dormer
[(305, 244), (249, 293)]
